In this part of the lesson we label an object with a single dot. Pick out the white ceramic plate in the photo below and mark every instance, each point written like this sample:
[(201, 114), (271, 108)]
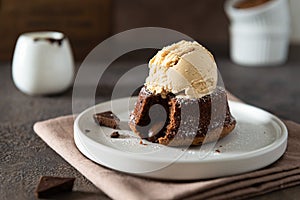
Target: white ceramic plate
[(258, 140)]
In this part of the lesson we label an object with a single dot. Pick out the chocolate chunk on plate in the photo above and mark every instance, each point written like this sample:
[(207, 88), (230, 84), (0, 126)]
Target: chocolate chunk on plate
[(115, 134), (49, 186), (108, 119)]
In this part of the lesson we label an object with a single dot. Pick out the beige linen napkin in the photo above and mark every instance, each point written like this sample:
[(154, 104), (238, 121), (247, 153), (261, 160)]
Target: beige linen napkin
[(58, 134)]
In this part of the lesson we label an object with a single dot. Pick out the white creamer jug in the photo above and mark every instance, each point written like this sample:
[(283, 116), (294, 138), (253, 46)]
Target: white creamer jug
[(43, 63)]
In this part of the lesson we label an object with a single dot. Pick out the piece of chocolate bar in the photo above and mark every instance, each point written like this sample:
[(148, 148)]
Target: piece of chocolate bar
[(50, 185), (108, 119)]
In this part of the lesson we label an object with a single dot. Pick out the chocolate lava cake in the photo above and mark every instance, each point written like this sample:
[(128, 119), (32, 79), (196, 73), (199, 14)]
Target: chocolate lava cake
[(180, 121)]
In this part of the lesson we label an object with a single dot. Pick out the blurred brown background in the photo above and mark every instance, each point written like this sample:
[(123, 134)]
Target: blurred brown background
[(89, 22)]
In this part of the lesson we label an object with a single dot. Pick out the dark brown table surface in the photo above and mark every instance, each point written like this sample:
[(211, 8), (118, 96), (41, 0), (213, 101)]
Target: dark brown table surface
[(24, 157)]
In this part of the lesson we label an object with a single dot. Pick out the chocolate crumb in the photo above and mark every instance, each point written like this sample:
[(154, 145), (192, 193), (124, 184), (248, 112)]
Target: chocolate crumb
[(51, 185), (87, 130), (115, 134), (141, 142), (220, 146), (217, 151)]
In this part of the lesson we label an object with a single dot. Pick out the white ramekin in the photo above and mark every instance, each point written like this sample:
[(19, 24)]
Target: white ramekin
[(258, 47), (259, 36)]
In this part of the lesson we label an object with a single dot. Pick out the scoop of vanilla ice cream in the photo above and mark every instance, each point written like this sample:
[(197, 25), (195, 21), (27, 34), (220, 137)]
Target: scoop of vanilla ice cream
[(183, 68)]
